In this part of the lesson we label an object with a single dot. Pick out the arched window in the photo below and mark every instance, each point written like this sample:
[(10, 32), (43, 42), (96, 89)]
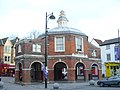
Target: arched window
[(94, 70), (19, 48), (94, 53)]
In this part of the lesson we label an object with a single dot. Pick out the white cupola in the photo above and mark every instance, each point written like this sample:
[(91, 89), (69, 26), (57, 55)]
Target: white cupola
[(62, 20)]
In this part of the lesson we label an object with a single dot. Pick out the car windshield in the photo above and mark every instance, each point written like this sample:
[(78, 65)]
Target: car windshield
[(114, 77)]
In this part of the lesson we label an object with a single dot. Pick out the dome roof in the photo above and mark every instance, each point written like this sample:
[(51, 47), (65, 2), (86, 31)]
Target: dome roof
[(65, 30)]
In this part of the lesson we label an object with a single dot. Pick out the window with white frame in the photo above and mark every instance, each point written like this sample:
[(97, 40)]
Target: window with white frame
[(8, 58), (36, 48), (7, 49), (19, 48), (107, 47), (5, 58), (108, 57), (94, 53), (79, 44), (59, 43)]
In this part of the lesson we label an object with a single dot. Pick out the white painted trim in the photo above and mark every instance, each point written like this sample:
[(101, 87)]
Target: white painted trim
[(63, 43), (17, 70), (94, 59), (26, 69), (34, 62), (71, 69), (29, 55), (78, 55), (81, 42), (50, 69), (58, 62), (80, 62), (87, 69)]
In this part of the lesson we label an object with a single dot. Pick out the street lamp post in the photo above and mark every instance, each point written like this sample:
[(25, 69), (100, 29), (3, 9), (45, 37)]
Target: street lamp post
[(50, 16)]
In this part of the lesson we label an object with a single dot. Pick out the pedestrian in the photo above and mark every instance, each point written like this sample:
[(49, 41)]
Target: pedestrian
[(20, 78)]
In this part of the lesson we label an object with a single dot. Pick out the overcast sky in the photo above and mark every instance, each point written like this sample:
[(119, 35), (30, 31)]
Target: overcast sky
[(96, 18)]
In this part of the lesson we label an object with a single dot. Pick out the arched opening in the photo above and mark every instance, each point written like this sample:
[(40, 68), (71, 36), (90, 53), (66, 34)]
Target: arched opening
[(60, 71), (94, 71), (80, 71), (20, 71), (36, 72)]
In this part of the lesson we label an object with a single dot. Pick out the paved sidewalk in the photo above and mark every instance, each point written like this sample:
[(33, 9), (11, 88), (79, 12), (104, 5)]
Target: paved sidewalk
[(10, 85)]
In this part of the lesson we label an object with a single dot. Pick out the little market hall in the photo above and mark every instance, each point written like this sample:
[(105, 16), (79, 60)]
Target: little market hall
[(71, 57)]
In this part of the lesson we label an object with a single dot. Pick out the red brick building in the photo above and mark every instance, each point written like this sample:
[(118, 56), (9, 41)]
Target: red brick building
[(70, 56)]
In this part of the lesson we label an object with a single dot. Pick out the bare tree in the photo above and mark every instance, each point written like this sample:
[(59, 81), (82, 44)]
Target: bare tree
[(12, 37), (34, 34)]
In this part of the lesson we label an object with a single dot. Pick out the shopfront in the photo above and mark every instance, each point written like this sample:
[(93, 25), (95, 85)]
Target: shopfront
[(112, 68)]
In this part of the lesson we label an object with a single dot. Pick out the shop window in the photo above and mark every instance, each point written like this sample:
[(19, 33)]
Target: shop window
[(94, 70), (80, 70)]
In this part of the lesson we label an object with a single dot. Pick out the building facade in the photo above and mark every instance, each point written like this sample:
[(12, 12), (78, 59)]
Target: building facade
[(110, 55), (70, 56), (7, 54), (29, 60)]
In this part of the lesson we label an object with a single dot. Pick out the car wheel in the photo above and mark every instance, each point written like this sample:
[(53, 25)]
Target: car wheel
[(109, 85), (101, 84), (119, 84)]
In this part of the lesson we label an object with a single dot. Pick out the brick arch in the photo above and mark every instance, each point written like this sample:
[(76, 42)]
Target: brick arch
[(95, 71), (79, 62), (36, 73), (17, 65), (58, 62), (80, 66), (60, 71), (34, 62), (96, 65)]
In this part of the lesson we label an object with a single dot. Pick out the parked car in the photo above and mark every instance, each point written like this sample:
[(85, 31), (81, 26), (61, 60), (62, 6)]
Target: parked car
[(114, 80)]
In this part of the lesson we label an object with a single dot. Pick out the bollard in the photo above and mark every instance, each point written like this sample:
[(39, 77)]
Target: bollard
[(92, 82), (1, 85), (55, 86)]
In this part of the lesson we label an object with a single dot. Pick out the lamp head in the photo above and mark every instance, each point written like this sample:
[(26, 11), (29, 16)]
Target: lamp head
[(52, 16)]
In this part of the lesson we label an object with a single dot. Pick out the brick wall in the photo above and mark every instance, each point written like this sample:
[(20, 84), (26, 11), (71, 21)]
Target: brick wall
[(70, 46), (26, 76)]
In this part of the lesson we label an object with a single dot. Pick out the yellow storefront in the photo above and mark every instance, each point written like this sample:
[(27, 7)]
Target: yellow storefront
[(112, 68)]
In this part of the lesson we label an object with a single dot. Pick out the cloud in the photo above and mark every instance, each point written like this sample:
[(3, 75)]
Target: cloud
[(21, 16)]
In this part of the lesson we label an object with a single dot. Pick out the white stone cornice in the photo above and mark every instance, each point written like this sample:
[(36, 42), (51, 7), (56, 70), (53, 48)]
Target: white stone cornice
[(50, 69), (25, 69), (80, 56), (17, 70), (71, 68), (29, 55), (94, 58)]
